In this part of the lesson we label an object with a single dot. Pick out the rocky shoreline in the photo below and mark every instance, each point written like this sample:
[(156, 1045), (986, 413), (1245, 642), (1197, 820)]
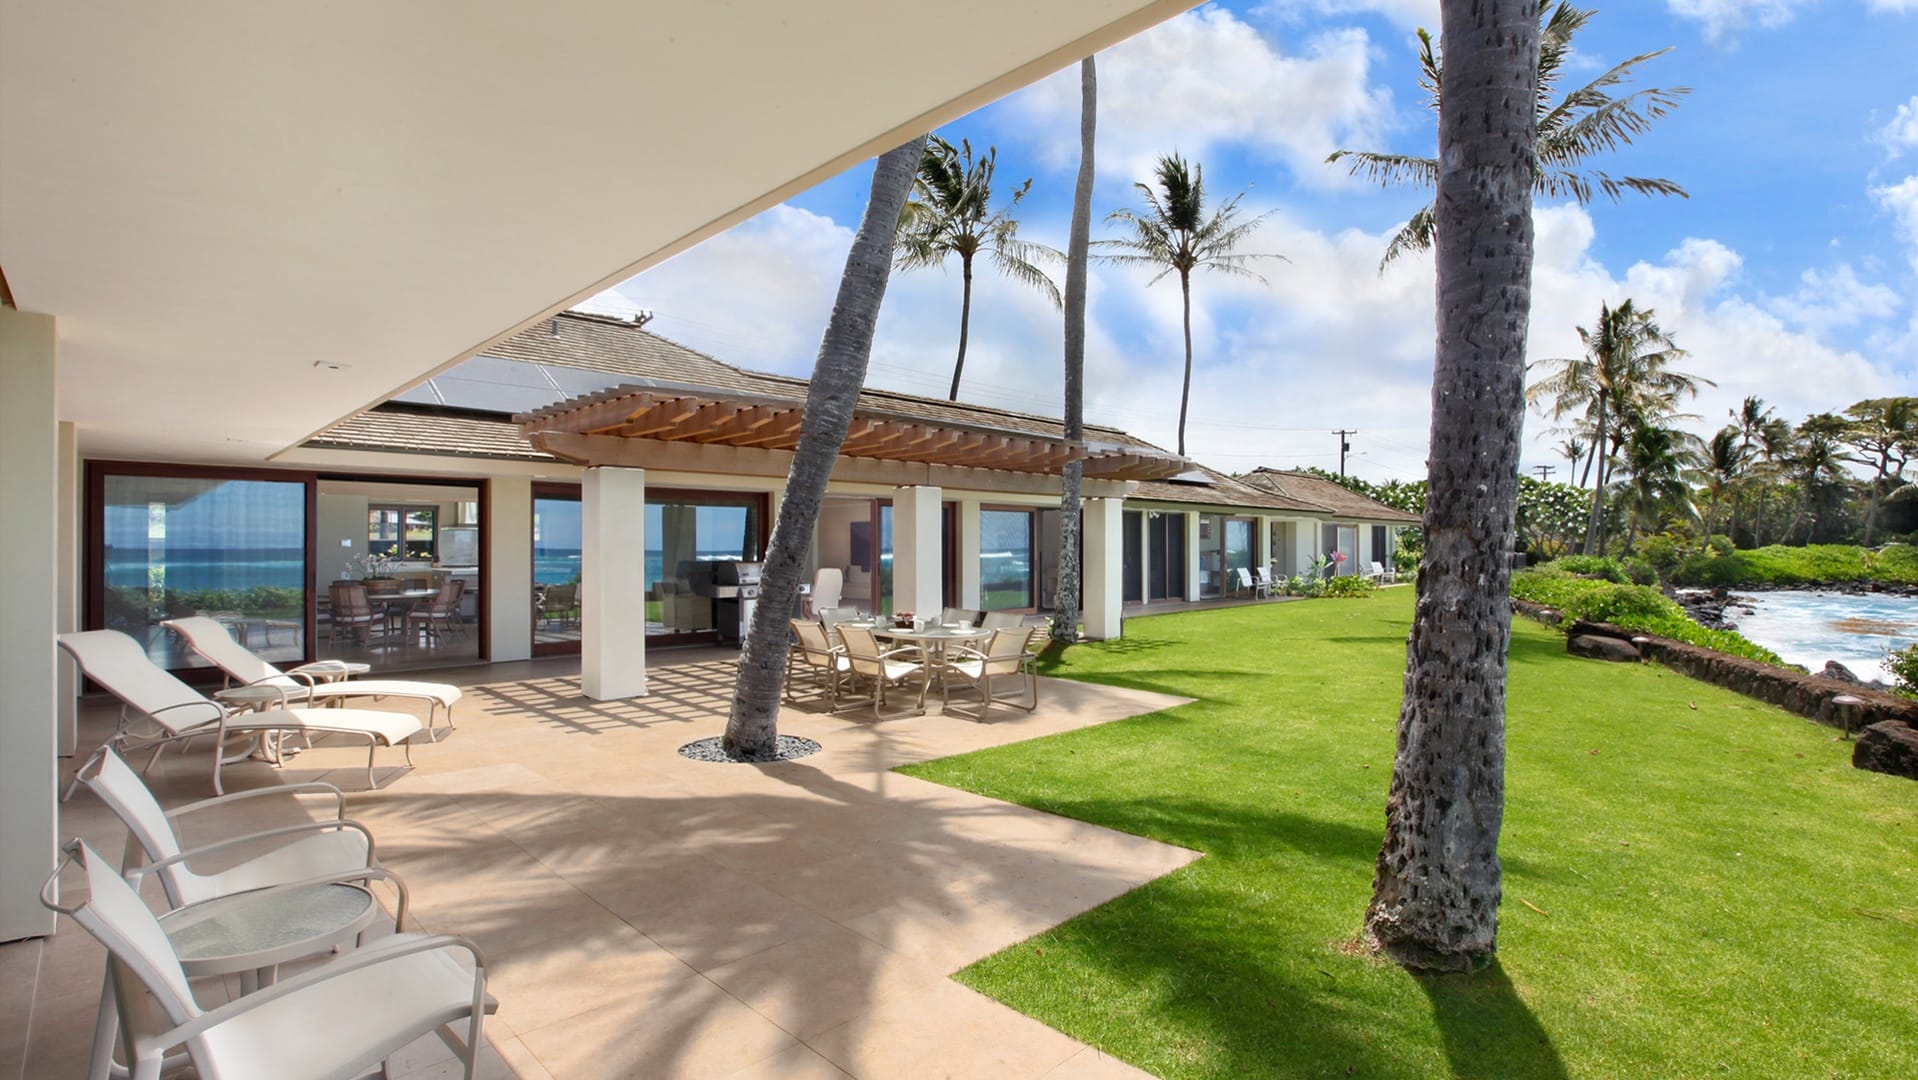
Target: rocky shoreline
[(1718, 608)]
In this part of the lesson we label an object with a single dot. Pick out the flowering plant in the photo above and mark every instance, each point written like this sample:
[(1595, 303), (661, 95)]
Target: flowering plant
[(370, 566), (1338, 557)]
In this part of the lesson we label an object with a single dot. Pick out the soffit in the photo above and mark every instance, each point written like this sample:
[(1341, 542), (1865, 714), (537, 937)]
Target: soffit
[(251, 220)]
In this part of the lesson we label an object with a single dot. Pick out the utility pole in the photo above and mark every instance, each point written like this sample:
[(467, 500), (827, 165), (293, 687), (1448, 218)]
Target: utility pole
[(1345, 447), (1544, 472)]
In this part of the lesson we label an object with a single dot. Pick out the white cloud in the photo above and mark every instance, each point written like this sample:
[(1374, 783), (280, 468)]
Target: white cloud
[(1901, 201), (1895, 7), (1329, 343), (1724, 18), (1901, 133), (1826, 301), (1407, 13), (1206, 81)]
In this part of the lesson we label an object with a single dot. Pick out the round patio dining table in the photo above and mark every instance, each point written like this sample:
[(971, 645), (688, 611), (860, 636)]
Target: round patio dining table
[(935, 640)]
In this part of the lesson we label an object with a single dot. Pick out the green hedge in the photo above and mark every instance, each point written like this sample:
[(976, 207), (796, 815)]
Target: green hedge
[(1634, 607), (1810, 565), (1349, 585)]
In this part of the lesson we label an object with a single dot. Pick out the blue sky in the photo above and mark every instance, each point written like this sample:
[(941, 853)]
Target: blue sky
[(1789, 273)]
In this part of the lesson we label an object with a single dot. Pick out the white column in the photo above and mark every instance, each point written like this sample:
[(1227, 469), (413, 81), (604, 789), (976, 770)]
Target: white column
[(969, 588), (612, 654), (29, 617), (509, 568), (67, 685), (1193, 572), (1103, 581), (917, 584)]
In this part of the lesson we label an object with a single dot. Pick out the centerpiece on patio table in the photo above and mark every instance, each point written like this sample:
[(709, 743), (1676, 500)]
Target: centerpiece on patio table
[(903, 620)]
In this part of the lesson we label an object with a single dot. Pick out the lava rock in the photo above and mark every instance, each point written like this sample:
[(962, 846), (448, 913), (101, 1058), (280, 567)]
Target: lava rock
[(1603, 648), (1887, 747), (1840, 673)]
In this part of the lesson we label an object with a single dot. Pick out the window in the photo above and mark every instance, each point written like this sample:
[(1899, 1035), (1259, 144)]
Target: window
[(1005, 559), (402, 532), (685, 530), (233, 549)]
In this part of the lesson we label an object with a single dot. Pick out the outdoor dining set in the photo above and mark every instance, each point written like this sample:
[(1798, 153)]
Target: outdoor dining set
[(300, 892), (845, 652)]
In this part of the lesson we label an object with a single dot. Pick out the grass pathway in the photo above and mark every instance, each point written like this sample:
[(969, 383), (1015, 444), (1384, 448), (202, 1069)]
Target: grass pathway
[(1695, 884)]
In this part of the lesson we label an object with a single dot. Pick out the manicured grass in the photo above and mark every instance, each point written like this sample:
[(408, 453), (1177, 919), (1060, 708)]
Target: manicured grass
[(1689, 891)]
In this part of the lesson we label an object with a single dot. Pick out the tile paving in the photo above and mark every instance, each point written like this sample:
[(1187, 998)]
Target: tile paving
[(646, 915)]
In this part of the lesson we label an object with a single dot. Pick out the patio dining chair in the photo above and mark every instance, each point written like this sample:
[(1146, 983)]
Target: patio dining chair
[(179, 713), (880, 668), (1261, 583), (305, 685), (828, 585), (340, 1019), (952, 615), (1005, 653), (815, 656)]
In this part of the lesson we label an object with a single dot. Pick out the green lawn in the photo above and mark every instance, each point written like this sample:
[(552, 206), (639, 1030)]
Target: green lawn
[(1695, 884)]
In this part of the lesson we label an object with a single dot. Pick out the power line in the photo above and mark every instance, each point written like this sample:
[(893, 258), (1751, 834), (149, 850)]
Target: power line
[(1545, 472)]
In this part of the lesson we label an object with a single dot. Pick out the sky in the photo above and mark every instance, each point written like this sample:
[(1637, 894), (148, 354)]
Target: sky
[(1790, 272)]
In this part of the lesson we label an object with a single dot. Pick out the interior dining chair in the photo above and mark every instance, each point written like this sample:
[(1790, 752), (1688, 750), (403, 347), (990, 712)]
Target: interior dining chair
[(340, 1019), (441, 615), (349, 612), (303, 685)]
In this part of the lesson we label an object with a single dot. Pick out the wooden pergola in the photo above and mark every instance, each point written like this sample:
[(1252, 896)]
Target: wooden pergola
[(581, 430)]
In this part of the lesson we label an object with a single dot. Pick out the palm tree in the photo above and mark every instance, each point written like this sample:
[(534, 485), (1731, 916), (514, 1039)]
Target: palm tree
[(1654, 464), (1884, 431), (1065, 604), (1573, 451), (1175, 235), (1722, 467), (1765, 438), (1435, 895), (950, 213), (752, 727), (1816, 463), (1623, 380), (1578, 126)]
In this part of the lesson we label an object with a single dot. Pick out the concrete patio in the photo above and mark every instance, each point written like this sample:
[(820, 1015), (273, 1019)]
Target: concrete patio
[(646, 915)]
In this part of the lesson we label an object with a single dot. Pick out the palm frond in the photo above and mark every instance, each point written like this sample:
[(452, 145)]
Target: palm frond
[(1416, 235), (1387, 169)]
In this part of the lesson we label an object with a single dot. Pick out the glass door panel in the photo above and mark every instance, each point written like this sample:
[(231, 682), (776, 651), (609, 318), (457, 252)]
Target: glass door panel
[(1005, 559), (556, 572)]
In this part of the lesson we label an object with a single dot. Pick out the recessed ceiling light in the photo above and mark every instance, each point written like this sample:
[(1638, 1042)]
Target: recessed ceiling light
[(330, 365)]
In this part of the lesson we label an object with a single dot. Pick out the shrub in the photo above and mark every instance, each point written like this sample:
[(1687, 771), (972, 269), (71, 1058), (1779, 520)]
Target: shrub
[(1902, 664), (1591, 565), (1634, 607), (1810, 565), (1349, 586)]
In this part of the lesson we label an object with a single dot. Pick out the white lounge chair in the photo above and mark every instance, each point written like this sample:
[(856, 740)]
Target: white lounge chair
[(340, 1019), (305, 685), (1004, 654), (828, 586), (149, 691)]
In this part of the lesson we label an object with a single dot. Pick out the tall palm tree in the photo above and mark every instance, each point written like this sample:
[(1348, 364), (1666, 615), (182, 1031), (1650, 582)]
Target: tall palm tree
[(1579, 125), (1573, 451), (1435, 894), (1065, 604), (752, 727), (950, 213), (1623, 380), (1175, 235)]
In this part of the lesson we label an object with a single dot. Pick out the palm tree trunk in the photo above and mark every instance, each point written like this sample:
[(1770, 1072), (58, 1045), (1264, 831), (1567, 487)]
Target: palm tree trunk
[(1436, 894), (752, 729), (1594, 529), (965, 323), (1185, 394), (1065, 604)]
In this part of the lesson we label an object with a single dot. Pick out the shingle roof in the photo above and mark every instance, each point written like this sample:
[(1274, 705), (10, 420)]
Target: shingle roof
[(1218, 489), (1340, 501), (413, 431)]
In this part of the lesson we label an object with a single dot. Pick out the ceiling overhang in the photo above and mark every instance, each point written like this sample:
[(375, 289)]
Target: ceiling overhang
[(768, 423), (250, 220)]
